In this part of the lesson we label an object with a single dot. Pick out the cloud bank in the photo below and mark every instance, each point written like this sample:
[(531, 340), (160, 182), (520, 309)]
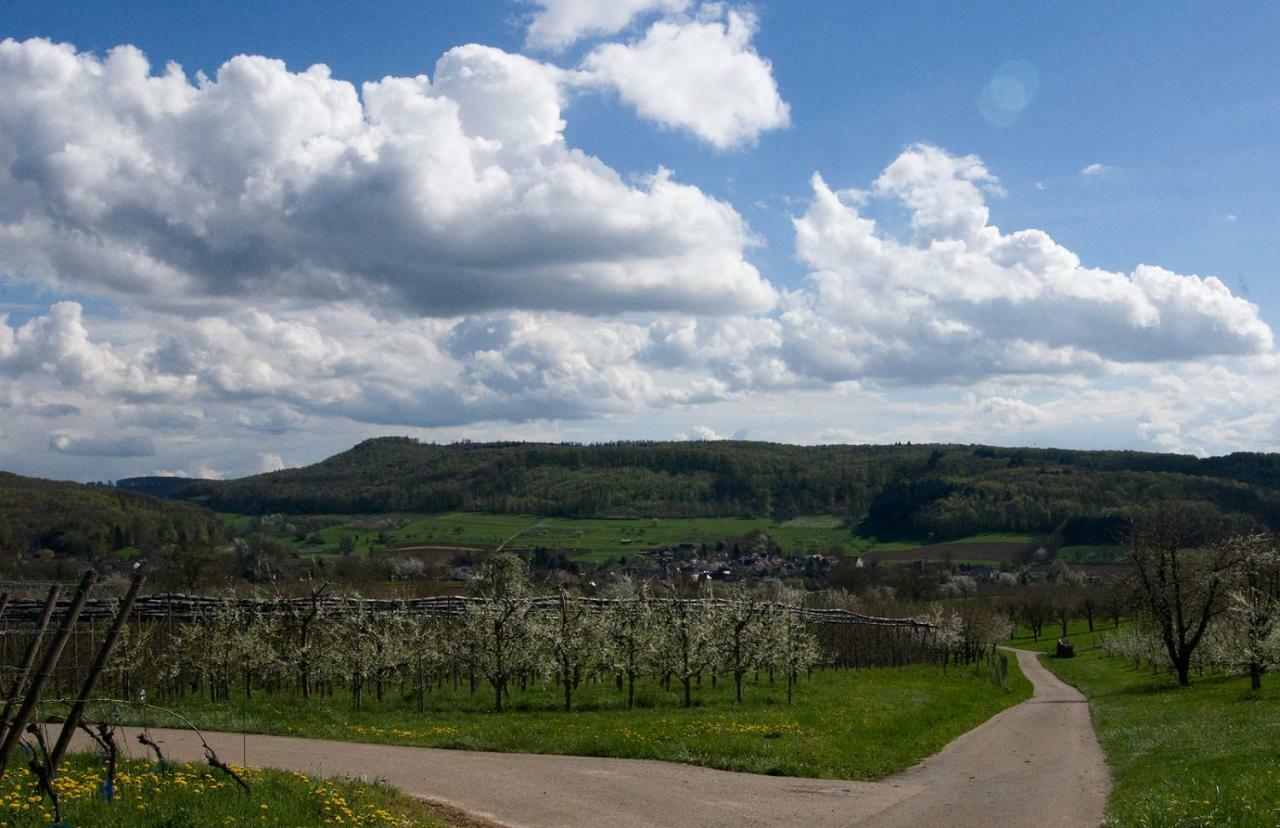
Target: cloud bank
[(436, 196), (291, 255)]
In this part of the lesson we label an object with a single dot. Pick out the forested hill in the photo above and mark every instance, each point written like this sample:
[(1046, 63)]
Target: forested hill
[(900, 490), (91, 520), (159, 486)]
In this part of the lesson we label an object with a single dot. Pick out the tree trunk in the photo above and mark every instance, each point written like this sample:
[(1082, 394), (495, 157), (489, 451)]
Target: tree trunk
[(1183, 667)]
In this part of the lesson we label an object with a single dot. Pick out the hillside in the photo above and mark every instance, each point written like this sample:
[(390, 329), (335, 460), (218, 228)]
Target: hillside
[(157, 486), (915, 491), (86, 521)]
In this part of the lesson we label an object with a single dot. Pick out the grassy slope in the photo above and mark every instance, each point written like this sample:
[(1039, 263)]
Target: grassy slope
[(858, 724), (196, 795), (1206, 755)]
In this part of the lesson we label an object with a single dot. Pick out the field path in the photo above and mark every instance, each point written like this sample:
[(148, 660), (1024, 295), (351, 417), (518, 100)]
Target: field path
[(1037, 763), (1034, 764)]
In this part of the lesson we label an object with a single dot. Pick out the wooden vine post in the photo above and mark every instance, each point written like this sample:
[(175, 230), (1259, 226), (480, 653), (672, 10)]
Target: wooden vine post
[(28, 659), (46, 668), (95, 670)]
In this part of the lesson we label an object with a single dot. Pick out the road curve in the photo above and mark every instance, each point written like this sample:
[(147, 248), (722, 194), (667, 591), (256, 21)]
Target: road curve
[(1034, 764)]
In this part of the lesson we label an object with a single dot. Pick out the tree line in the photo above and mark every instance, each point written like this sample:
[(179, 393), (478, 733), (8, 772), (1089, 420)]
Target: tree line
[(904, 491)]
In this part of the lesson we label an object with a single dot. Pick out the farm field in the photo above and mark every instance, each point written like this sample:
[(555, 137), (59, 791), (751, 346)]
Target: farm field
[(1091, 554), (181, 795), (600, 540), (1202, 755), (846, 724)]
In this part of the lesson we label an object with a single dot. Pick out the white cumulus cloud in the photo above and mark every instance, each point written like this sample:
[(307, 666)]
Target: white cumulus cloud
[(56, 344), (434, 196), (960, 298), (271, 463), (697, 73), (560, 23)]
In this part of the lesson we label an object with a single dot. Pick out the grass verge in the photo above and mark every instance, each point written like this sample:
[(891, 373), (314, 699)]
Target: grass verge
[(1204, 755), (845, 724), (178, 795)]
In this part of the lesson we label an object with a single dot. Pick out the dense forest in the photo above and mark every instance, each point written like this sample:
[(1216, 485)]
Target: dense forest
[(91, 520), (909, 491)]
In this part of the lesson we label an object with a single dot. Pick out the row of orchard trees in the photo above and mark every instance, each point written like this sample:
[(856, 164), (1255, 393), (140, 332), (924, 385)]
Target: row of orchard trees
[(503, 638), (1202, 601)]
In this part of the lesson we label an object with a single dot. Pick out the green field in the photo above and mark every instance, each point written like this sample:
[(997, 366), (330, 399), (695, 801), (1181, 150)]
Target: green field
[(186, 796), (597, 541), (991, 537), (846, 724), (1204, 755), (1091, 554)]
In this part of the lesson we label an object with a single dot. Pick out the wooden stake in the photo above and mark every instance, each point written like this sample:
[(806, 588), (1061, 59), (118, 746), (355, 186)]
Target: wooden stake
[(28, 659), (95, 670), (46, 668)]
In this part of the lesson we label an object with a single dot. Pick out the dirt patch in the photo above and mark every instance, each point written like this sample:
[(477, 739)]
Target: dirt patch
[(451, 548), (455, 817), (978, 551)]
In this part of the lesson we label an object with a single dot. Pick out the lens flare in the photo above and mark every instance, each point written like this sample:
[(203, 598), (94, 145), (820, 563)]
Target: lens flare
[(1009, 92)]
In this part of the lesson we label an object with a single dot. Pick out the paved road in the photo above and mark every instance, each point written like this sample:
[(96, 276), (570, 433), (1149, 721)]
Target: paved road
[(1035, 764)]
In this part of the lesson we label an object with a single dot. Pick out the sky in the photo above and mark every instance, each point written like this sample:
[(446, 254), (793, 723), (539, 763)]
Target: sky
[(240, 237)]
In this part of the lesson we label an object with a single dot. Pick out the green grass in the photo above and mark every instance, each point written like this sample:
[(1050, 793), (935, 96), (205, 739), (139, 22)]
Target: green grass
[(595, 541), (182, 795), (1078, 634), (234, 522), (599, 540), (1091, 554), (588, 540), (464, 528), (992, 537), (1204, 755), (846, 724)]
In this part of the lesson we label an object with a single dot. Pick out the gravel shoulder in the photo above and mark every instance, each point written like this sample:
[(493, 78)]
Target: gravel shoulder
[(1035, 764)]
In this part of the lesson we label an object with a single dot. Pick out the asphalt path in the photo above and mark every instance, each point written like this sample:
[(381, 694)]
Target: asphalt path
[(1035, 764)]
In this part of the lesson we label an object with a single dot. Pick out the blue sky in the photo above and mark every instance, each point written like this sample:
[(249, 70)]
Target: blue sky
[(1176, 109)]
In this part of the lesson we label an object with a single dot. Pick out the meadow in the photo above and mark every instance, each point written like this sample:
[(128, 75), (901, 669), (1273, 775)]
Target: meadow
[(1203, 755), (597, 541), (180, 795), (845, 724)]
